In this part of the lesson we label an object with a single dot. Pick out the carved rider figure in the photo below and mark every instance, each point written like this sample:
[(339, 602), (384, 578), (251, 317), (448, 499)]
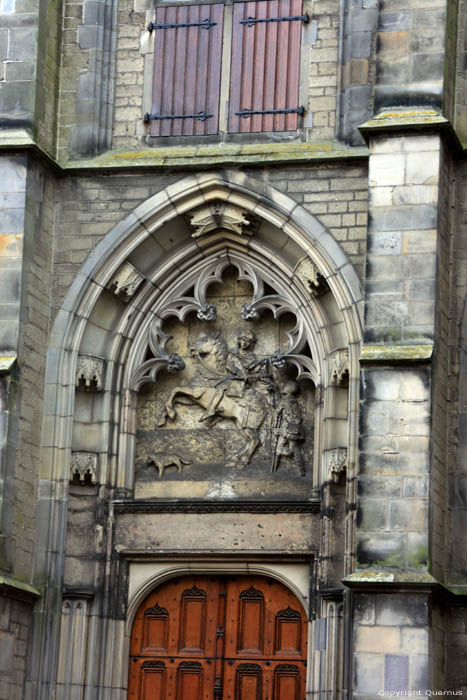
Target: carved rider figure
[(243, 368)]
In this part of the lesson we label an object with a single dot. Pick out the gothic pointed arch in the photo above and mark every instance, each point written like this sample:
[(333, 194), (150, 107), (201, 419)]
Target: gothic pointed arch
[(159, 267)]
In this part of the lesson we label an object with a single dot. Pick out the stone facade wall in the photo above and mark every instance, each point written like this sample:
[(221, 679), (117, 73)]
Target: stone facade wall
[(410, 53), (390, 638), (18, 51)]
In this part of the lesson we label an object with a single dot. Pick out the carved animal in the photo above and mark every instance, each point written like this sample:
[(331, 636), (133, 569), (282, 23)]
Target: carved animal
[(222, 395), (162, 461)]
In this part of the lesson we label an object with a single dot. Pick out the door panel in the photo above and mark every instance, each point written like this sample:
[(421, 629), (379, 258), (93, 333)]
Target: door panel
[(219, 638)]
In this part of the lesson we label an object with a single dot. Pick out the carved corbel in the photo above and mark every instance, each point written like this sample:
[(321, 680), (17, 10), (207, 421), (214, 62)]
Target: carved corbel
[(219, 215), (340, 367), (311, 277), (90, 373), (126, 281), (84, 467), (336, 463)]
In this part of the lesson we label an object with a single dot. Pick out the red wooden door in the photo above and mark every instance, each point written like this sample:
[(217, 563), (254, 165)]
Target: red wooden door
[(219, 638)]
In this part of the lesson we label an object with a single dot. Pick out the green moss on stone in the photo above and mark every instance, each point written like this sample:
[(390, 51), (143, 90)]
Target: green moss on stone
[(406, 353)]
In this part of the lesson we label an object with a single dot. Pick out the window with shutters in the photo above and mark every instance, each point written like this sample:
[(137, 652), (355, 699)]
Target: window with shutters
[(226, 68)]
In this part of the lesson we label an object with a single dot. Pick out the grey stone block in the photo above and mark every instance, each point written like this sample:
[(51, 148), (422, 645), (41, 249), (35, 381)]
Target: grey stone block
[(10, 285), (422, 216), (17, 98), (425, 65), (394, 21), (382, 486), (381, 549), (372, 514), (415, 487), (427, 93), (20, 70), (22, 44), (385, 242), (360, 45), (396, 673), (394, 69), (88, 36), (418, 266), (93, 12), (7, 645), (8, 336), (397, 610), (380, 313), (12, 221), (3, 43), (363, 20), (368, 675)]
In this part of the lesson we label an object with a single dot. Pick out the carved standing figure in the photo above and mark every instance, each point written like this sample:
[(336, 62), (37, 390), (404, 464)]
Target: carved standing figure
[(288, 427)]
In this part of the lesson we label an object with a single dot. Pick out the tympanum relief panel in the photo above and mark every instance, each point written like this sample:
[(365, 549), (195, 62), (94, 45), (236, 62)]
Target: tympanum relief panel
[(231, 414)]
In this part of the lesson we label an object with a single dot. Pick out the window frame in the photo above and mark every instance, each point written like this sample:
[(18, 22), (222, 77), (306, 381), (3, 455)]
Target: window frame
[(223, 135)]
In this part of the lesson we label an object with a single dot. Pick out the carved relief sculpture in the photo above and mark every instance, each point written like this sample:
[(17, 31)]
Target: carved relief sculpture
[(339, 366), (218, 215), (236, 397), (336, 460), (126, 281), (90, 373), (84, 467)]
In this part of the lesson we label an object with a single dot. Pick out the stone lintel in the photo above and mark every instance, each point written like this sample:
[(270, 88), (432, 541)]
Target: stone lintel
[(394, 354), (149, 506), (87, 592)]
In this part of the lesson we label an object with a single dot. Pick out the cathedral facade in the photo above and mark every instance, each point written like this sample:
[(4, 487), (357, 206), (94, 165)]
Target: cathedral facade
[(233, 362)]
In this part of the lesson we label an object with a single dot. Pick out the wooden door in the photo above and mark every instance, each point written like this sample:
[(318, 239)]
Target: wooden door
[(219, 638)]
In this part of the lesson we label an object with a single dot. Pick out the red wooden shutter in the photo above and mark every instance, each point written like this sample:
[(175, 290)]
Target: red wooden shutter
[(265, 69), (187, 70)]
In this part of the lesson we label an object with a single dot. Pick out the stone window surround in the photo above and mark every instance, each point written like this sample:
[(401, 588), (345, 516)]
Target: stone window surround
[(147, 49)]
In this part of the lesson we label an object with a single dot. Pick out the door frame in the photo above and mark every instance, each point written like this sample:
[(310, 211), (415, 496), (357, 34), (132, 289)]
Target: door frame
[(294, 572)]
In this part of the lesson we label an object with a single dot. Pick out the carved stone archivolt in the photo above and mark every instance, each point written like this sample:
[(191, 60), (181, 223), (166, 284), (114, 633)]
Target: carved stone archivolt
[(126, 281), (84, 468), (90, 373), (219, 215)]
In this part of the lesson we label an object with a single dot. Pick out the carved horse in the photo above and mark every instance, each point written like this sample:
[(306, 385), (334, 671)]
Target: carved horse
[(222, 395)]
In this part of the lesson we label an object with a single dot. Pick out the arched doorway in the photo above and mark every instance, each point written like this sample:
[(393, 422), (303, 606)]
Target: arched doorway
[(219, 638)]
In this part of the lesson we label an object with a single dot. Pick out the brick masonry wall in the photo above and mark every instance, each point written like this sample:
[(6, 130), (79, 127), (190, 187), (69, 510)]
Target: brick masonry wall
[(87, 207), (15, 621)]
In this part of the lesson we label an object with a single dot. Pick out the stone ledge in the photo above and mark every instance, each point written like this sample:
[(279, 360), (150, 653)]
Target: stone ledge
[(6, 363), (396, 353), (192, 157), (412, 119), (379, 579), (14, 588)]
